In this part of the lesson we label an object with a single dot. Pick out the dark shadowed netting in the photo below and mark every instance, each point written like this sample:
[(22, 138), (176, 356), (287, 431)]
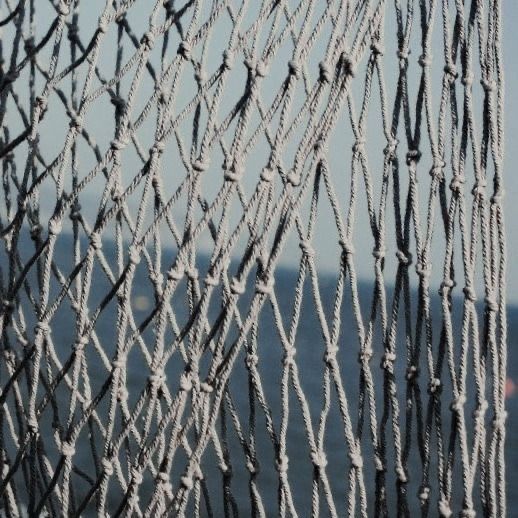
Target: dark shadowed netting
[(252, 258)]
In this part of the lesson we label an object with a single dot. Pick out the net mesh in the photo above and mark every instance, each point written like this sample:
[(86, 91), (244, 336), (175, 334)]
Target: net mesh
[(162, 166)]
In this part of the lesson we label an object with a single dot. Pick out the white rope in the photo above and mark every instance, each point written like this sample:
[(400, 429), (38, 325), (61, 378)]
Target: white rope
[(77, 432)]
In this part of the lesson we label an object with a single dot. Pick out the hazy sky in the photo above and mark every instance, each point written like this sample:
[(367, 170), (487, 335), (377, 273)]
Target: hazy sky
[(99, 123)]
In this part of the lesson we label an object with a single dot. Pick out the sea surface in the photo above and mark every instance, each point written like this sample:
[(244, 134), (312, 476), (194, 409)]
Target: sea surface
[(310, 364)]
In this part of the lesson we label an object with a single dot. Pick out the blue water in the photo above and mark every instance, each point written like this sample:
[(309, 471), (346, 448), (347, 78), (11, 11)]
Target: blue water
[(310, 349)]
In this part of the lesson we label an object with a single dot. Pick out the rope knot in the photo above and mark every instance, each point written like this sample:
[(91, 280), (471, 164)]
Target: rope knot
[(122, 394), (265, 286), (377, 48), (28, 45), (294, 68), (480, 412), (197, 472), (404, 257), (359, 145), (75, 212), (148, 40), (325, 72), (267, 174), (289, 357), (365, 356), (378, 464), (347, 248), (136, 475), (55, 226), (80, 343), (7, 305), (206, 387), (200, 76), (211, 280), (251, 360), (488, 85), (41, 103), (225, 468), (458, 404), (401, 475), (42, 327), (169, 8), (499, 420), (102, 25), (390, 149), (330, 354), (497, 198), (491, 303), (134, 255), (424, 494), (437, 168), (237, 287), (444, 509), (228, 59), (107, 466), (402, 55), (424, 60), (185, 383), (423, 271), (157, 379), (446, 285), (118, 364), (478, 187), (33, 425), (67, 449), (176, 273), (63, 8), (256, 68), (349, 64), (261, 69), (469, 293), (451, 71), (35, 231), (157, 148), (253, 467), (201, 165), (119, 144), (413, 156), (356, 459), (434, 387), (468, 513), (320, 146), (192, 273), (234, 173), (157, 278), (319, 459), (379, 252), (185, 49), (467, 79), (11, 76), (163, 477), (412, 373), (9, 157), (387, 361), (118, 102), (307, 249), (457, 183), (282, 464), (293, 178)]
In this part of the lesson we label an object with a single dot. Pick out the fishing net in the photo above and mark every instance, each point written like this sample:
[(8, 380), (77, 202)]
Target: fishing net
[(252, 258)]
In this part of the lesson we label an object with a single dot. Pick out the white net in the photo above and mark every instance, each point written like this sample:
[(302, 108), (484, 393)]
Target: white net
[(211, 214)]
